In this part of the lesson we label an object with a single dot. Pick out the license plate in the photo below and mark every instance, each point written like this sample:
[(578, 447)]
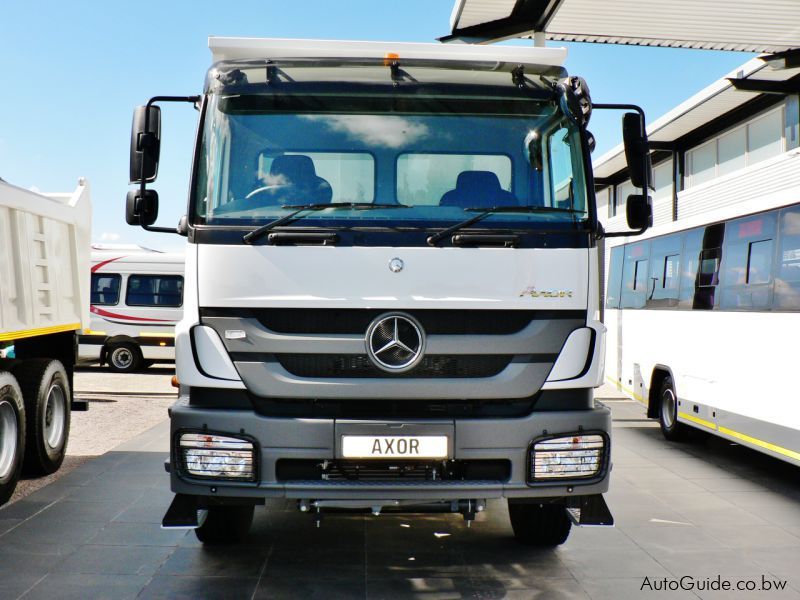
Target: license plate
[(394, 446)]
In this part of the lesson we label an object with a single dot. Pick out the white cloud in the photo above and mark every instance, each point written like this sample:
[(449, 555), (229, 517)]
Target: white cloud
[(375, 130), (109, 237)]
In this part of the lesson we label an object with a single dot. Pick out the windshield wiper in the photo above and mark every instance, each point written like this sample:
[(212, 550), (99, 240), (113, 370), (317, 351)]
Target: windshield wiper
[(252, 236), (437, 237)]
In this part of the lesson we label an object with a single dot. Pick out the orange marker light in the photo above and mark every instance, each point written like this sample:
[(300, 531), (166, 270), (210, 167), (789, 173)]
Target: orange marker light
[(389, 58), (174, 381)]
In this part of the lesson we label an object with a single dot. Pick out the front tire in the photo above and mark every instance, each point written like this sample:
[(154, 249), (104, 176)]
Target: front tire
[(668, 412), (543, 525), (12, 435), (124, 358), (225, 524)]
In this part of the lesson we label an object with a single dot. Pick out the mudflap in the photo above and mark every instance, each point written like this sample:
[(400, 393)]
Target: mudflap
[(589, 511), (183, 513)]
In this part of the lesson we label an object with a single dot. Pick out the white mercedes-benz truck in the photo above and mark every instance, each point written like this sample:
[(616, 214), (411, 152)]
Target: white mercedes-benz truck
[(392, 291), (44, 303)]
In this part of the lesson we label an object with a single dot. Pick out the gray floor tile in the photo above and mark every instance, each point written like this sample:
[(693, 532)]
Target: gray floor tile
[(169, 587), (634, 588), (115, 560), (767, 536), (137, 534), (667, 536), (22, 510), (82, 586), (215, 562), (50, 530), (6, 524), (707, 562), (310, 588), (82, 512), (611, 563)]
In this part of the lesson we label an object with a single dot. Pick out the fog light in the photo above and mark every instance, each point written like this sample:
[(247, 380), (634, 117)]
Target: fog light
[(217, 456), (568, 457)]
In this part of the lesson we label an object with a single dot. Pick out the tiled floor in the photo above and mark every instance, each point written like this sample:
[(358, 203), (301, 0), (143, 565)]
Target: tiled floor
[(701, 509)]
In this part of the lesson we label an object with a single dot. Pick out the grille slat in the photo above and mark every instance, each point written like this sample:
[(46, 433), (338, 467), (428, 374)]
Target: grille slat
[(331, 365), (356, 321)]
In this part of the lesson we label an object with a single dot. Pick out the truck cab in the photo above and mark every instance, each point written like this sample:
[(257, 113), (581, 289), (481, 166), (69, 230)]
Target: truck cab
[(391, 294)]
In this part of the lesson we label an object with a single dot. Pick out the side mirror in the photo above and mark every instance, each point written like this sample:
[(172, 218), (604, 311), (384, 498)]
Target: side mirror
[(637, 152), (145, 144), (141, 210), (639, 211)]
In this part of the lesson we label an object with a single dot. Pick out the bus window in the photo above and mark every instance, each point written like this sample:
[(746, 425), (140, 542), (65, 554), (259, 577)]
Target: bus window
[(635, 276), (747, 264), (155, 290), (105, 289), (614, 277), (690, 258), (665, 272), (787, 272)]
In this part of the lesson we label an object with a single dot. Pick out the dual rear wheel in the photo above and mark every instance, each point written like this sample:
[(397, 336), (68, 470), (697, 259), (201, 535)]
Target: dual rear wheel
[(34, 420)]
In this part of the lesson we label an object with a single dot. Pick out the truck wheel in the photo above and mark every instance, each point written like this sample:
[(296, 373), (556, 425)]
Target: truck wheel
[(12, 435), (225, 524), (45, 388), (668, 412), (539, 524), (124, 358)]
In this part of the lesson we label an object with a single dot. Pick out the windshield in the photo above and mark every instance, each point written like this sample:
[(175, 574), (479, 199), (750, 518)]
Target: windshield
[(262, 152)]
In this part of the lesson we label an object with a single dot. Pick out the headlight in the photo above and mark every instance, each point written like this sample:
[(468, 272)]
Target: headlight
[(568, 457), (217, 456)]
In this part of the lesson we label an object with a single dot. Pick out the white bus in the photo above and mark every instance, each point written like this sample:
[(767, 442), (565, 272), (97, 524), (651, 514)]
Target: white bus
[(136, 299), (703, 325)]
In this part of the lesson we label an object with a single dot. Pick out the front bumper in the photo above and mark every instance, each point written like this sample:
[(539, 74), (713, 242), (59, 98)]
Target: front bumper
[(316, 439)]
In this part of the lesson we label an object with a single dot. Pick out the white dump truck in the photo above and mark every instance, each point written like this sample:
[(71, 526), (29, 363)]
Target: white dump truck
[(44, 301)]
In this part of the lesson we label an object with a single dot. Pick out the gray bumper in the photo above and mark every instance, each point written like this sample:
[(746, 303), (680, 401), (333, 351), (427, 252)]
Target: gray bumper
[(308, 438)]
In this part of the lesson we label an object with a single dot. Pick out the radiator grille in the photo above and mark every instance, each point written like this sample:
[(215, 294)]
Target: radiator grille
[(352, 365)]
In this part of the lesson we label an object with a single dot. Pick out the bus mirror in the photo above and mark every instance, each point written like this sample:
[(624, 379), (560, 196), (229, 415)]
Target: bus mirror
[(141, 210), (639, 211), (637, 153), (145, 143)]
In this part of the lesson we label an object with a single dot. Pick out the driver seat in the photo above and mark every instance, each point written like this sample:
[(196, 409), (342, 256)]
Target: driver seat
[(297, 180)]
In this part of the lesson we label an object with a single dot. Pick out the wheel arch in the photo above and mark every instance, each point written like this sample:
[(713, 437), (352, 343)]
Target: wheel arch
[(660, 373)]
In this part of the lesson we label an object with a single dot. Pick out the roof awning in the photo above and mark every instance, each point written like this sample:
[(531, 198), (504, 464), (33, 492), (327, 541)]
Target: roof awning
[(766, 26)]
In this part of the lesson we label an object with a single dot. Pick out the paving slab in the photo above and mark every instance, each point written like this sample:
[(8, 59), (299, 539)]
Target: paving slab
[(700, 509)]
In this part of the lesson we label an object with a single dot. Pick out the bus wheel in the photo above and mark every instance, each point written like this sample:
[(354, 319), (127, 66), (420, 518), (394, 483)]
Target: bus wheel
[(12, 435), (124, 358), (668, 412), (225, 524), (543, 525), (45, 388)]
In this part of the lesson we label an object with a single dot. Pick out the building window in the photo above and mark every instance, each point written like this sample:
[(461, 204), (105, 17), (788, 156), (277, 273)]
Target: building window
[(749, 144)]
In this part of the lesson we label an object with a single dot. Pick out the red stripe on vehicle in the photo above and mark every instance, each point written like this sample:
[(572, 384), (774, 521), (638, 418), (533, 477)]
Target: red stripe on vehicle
[(104, 263), (105, 313)]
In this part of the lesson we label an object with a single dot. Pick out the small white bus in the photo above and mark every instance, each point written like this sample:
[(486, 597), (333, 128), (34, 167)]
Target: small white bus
[(136, 299), (703, 324)]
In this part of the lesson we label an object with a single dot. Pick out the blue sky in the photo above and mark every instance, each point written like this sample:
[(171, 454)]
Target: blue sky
[(73, 72)]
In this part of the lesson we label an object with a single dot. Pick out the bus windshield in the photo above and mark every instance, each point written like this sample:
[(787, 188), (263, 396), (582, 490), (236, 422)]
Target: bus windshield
[(262, 153)]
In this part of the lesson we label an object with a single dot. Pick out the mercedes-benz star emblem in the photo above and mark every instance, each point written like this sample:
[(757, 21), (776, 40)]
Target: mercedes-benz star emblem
[(395, 342), (396, 265)]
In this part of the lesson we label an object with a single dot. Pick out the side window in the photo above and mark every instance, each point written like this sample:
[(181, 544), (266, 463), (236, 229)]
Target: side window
[(665, 272), (635, 276), (747, 263), (787, 271), (105, 289), (614, 277), (689, 264), (155, 290)]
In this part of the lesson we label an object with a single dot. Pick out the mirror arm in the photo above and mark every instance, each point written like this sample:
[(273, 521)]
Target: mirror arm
[(146, 145)]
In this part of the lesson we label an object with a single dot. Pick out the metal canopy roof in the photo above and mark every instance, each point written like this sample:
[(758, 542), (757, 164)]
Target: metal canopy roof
[(714, 101), (766, 26)]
